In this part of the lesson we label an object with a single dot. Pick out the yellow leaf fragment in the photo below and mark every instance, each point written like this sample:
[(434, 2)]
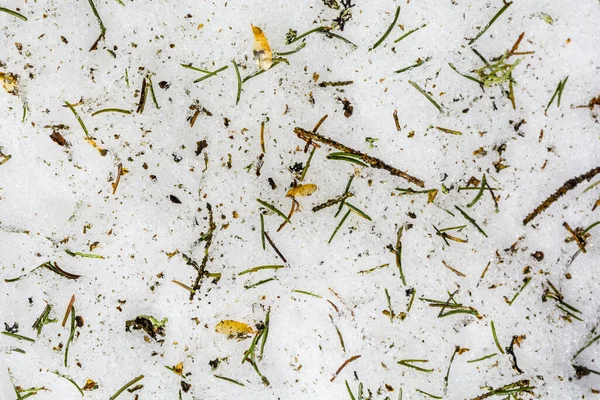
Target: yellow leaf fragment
[(172, 254), (10, 82), (261, 49), (94, 145), (178, 369), (302, 190), (90, 385), (431, 196), (233, 329)]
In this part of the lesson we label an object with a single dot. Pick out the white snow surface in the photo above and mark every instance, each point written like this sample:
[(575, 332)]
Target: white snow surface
[(54, 198)]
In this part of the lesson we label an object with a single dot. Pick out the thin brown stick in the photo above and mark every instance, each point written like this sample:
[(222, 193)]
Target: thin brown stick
[(372, 161), (194, 118), (568, 185), (143, 93), (69, 307), (510, 350), (348, 361), (202, 267), (274, 247)]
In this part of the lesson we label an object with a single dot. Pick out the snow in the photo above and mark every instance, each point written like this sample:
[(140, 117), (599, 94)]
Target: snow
[(53, 192)]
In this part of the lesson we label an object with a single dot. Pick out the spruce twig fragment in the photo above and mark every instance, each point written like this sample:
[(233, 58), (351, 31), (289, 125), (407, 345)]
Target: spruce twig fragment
[(372, 161), (561, 191)]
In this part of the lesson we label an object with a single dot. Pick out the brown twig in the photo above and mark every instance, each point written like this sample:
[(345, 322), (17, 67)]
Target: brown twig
[(568, 185), (143, 94), (202, 267), (372, 161), (194, 118), (522, 386), (274, 247), (332, 202), (511, 351)]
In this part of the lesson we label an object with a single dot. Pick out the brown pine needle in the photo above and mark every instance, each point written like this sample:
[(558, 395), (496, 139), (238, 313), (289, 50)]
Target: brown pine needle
[(396, 121), (457, 272), (348, 361), (64, 322), (262, 136), (143, 95), (115, 185), (292, 211)]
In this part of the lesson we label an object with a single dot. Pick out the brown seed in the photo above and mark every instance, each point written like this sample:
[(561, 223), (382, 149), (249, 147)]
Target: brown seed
[(58, 138), (538, 255)]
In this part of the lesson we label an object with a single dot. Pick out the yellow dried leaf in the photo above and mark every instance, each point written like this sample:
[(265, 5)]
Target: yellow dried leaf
[(10, 82), (261, 49), (431, 196), (178, 369), (234, 329), (172, 254), (519, 339), (90, 385), (302, 190), (462, 350), (91, 141)]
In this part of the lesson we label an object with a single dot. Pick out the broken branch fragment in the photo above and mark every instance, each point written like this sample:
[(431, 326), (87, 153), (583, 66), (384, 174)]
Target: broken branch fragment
[(372, 161), (568, 185)]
